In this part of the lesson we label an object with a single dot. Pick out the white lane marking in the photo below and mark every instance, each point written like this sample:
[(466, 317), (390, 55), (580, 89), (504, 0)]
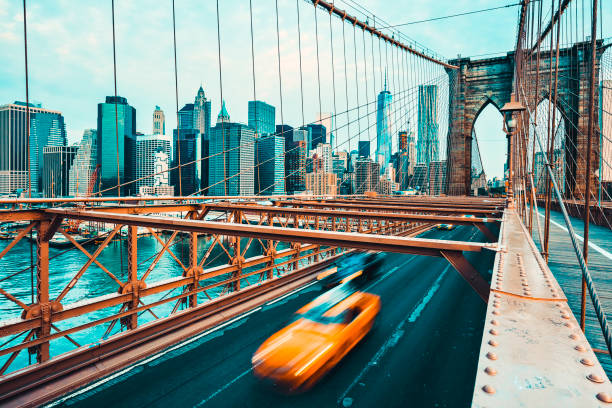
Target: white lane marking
[(152, 358), (220, 390), (580, 238), (290, 293), (397, 334)]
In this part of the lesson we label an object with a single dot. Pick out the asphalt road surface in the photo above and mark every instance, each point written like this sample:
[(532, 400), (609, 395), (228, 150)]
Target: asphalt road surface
[(422, 352)]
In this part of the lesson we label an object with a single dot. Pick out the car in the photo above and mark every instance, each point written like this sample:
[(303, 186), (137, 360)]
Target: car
[(360, 266), (321, 333), (447, 227)]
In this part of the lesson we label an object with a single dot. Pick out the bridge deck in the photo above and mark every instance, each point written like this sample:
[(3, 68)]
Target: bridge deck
[(563, 264), (532, 352)]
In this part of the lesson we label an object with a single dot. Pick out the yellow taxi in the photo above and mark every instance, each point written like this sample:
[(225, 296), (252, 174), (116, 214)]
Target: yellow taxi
[(320, 335)]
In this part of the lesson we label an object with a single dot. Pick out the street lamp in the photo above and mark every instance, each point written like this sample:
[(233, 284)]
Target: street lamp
[(508, 110)]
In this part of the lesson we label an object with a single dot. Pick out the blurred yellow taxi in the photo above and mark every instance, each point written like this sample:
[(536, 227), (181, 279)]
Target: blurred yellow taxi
[(320, 335)]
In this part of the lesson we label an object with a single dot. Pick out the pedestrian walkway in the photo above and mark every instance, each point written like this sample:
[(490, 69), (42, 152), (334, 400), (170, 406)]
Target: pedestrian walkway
[(564, 265)]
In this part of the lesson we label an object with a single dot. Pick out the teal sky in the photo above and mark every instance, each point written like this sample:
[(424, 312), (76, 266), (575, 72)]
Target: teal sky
[(70, 56)]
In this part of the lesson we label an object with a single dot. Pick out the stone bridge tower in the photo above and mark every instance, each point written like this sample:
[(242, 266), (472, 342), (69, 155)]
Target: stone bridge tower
[(477, 83)]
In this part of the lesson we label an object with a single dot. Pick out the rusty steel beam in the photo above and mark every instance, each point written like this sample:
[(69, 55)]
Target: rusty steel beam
[(467, 271), (373, 207), (417, 246), (82, 366), (255, 209)]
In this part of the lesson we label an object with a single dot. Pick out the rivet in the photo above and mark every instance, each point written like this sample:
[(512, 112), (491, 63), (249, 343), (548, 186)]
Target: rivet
[(565, 316), (554, 295), (495, 304), (559, 304), (497, 295), (496, 312), (491, 355), (527, 293), (580, 347), (493, 343), (573, 336), (595, 378), (493, 332), (490, 371), (525, 284), (568, 324), (488, 389), (604, 397), (494, 322), (587, 362)]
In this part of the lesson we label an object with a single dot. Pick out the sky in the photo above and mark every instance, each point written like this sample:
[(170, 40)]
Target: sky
[(71, 59)]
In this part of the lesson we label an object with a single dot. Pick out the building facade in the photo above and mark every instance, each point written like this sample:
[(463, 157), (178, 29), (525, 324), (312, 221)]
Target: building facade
[(231, 157), (262, 117), (327, 120), (317, 134), (46, 128), (270, 165), (147, 160), (116, 134), (383, 128), (322, 183), (57, 161), (84, 166), (159, 121), (364, 148), (437, 177), (428, 144), (367, 175), (605, 118)]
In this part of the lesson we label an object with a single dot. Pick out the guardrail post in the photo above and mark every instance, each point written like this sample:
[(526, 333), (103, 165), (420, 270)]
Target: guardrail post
[(194, 268), (133, 283), (42, 289)]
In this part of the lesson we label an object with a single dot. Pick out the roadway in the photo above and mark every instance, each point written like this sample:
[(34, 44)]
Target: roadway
[(423, 349)]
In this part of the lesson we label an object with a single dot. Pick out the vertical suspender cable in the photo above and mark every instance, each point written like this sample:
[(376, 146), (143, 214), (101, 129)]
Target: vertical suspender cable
[(27, 126), (257, 122), (280, 78), (357, 82), (333, 66), (318, 65), (591, 127), (348, 118), (178, 128), (27, 91), (116, 113), (225, 180), (297, 4)]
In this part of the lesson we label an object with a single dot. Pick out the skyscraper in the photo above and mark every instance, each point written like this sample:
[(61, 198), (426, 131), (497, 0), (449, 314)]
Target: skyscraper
[(403, 160), (428, 143), (112, 139), (383, 128), (187, 148), (84, 165), (364, 148), (327, 119), (57, 161), (318, 134), (47, 128), (159, 121), (270, 165), (201, 113), (232, 157), (262, 117), (367, 175), (322, 158), (437, 177), (147, 146), (295, 167)]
